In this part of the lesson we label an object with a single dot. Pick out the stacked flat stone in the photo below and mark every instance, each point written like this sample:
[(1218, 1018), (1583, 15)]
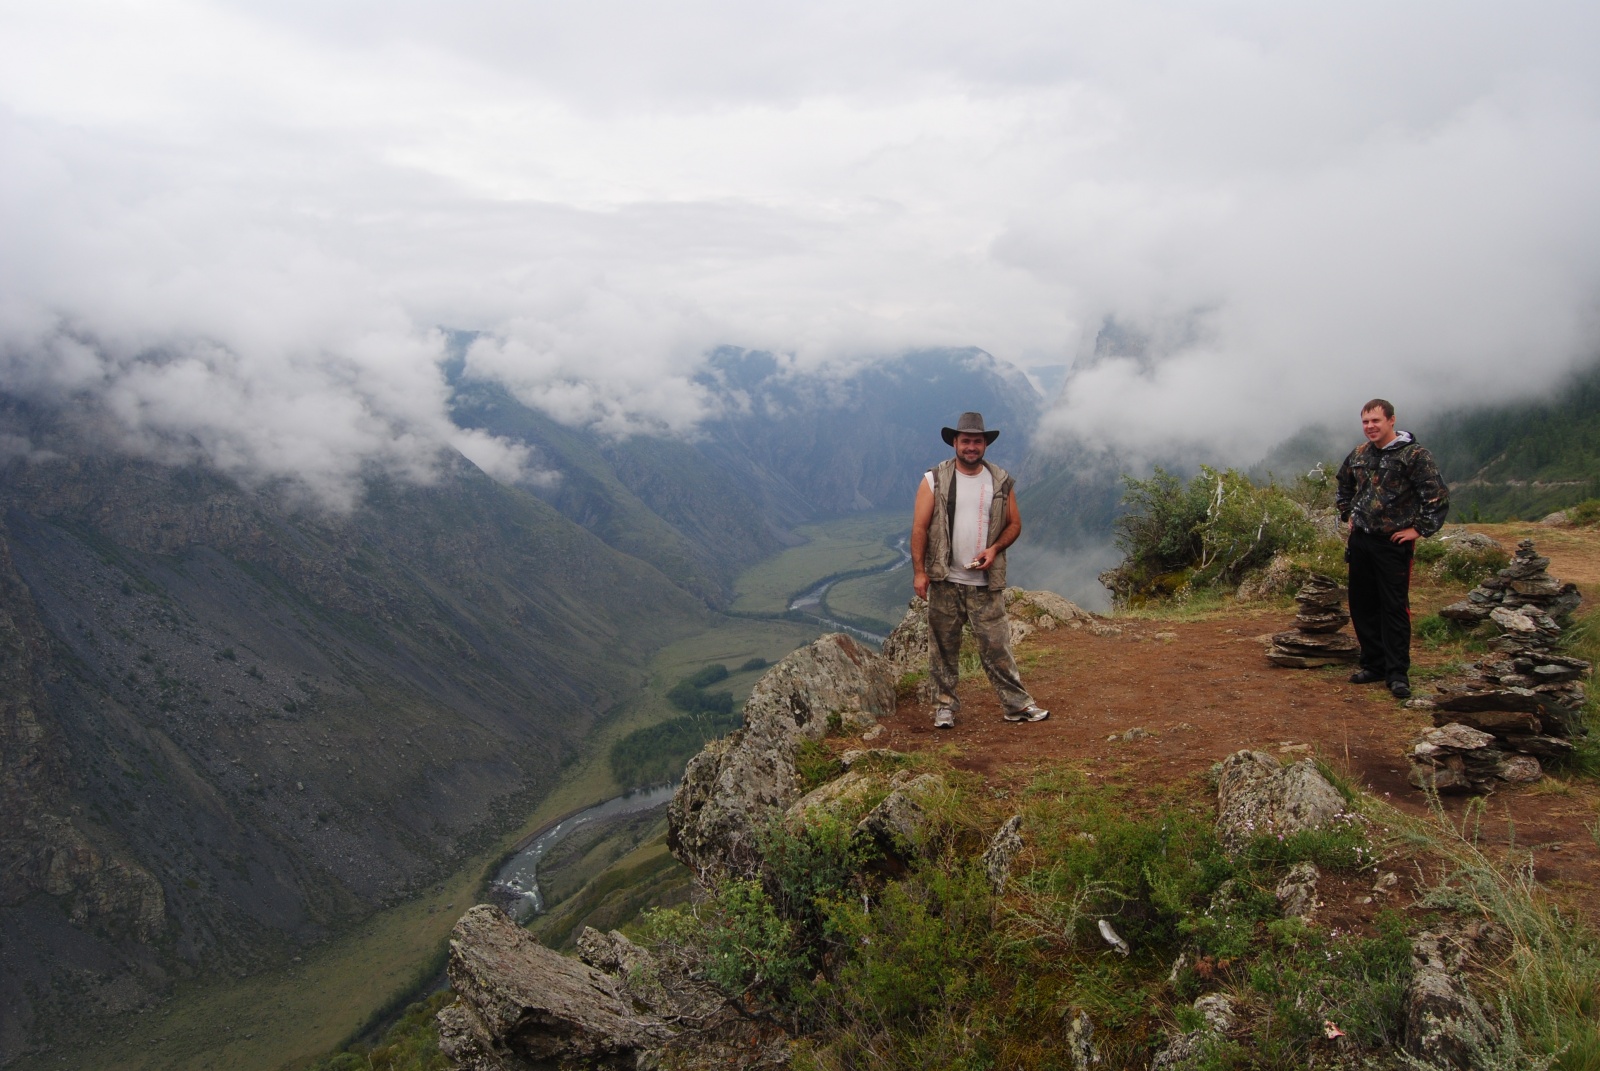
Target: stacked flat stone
[(1521, 705), (1521, 584), (1316, 639)]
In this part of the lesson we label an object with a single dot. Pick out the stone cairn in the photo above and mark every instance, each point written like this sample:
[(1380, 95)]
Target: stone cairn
[(1523, 583), (1523, 703), (1316, 639)]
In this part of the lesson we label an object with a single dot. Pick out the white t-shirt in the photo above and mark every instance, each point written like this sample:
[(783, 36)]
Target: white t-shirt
[(974, 494)]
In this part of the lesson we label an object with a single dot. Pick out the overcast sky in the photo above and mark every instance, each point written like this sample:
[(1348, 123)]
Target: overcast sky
[(238, 224)]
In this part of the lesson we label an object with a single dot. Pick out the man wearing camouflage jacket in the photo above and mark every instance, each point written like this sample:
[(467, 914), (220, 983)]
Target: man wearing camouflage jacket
[(1390, 494)]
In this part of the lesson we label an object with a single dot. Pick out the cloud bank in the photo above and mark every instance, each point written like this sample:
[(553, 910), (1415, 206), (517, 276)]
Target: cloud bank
[(236, 227)]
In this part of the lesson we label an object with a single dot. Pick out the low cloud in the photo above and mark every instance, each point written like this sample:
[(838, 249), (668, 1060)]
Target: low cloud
[(236, 227)]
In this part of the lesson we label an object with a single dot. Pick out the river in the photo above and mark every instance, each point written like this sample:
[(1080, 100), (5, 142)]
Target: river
[(518, 878), (813, 597)]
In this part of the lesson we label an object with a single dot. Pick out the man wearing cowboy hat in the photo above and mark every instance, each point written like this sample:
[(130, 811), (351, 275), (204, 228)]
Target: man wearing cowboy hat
[(966, 516)]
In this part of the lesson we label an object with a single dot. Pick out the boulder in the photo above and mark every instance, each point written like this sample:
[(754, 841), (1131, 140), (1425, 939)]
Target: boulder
[(1184, 1050), (1460, 536), (896, 825), (739, 783), (842, 794), (1257, 795), (1277, 578), (519, 1005), (906, 647)]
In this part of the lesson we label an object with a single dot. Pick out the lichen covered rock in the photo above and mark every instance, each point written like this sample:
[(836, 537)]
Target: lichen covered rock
[(739, 783), (1257, 795)]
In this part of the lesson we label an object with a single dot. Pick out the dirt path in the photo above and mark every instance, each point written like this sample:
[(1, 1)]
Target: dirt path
[(1202, 689)]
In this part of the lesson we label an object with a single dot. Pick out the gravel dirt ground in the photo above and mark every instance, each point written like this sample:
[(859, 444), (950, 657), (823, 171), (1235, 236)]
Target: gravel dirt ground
[(1153, 708)]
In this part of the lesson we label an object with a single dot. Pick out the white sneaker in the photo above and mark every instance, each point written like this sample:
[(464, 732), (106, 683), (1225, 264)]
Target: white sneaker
[(1029, 713), (944, 719)]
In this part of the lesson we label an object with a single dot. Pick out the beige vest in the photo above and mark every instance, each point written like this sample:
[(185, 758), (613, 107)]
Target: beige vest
[(936, 560)]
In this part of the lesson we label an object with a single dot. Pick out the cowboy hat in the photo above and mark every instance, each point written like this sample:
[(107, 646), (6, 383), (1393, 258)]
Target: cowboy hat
[(970, 423)]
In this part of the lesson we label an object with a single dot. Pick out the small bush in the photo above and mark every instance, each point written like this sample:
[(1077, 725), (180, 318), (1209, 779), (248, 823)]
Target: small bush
[(1434, 631), (411, 1044), (1428, 551), (816, 765), (1471, 565), (754, 663)]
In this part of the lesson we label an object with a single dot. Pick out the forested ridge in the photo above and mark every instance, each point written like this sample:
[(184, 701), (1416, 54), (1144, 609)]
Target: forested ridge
[(1522, 459)]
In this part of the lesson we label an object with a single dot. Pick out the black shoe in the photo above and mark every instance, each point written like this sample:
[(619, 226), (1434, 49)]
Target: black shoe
[(1399, 688), (1365, 676)]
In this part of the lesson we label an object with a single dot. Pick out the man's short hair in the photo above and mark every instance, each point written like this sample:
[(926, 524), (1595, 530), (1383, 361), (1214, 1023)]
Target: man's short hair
[(1379, 403)]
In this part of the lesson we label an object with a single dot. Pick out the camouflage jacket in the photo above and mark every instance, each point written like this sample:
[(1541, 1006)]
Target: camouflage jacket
[(1383, 491)]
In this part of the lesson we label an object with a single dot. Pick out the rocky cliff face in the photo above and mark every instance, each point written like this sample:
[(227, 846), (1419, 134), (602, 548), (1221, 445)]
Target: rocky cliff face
[(520, 1005), (228, 725)]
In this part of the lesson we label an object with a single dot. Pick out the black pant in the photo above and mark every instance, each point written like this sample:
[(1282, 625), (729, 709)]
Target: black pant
[(1380, 602)]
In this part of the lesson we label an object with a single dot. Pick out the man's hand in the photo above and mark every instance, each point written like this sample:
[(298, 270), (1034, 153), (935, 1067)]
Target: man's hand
[(985, 558), (1406, 535), (919, 584)]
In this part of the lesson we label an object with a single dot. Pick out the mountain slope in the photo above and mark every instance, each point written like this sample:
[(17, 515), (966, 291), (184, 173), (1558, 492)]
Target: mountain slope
[(1524, 459), (230, 726)]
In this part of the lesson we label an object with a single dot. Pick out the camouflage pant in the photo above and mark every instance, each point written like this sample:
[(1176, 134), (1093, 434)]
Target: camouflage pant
[(950, 606)]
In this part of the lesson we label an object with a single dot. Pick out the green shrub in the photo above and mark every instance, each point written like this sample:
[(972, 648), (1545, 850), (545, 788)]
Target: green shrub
[(918, 949), (1585, 513), (754, 663), (689, 697), (749, 947), (1434, 630), (1205, 533), (1309, 977), (1428, 551)]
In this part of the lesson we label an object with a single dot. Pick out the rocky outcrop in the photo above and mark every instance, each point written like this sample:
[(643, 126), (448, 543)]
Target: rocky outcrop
[(1445, 1025), (1259, 796), (1316, 639), (906, 648), (520, 1005), (739, 783), (618, 1006)]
